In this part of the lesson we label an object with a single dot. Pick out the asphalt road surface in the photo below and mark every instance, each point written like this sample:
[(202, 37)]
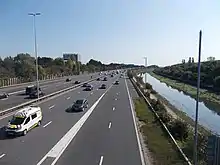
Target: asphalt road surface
[(16, 94), (104, 134)]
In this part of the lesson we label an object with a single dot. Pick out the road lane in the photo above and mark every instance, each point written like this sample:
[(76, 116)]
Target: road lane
[(19, 98), (38, 141), (96, 143)]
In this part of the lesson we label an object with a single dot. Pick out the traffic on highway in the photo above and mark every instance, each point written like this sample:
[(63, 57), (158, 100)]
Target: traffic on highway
[(90, 124)]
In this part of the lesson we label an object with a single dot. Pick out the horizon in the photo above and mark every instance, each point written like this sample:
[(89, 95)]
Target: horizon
[(112, 32)]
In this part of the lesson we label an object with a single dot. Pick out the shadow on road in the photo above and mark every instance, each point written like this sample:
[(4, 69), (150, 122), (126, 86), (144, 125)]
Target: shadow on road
[(3, 135), (21, 94), (69, 110)]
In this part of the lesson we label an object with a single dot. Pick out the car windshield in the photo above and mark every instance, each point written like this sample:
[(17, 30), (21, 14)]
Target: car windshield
[(17, 120), (79, 102)]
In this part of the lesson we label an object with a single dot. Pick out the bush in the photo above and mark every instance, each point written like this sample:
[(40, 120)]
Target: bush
[(159, 106), (179, 129), (148, 86), (165, 117), (153, 91), (147, 94)]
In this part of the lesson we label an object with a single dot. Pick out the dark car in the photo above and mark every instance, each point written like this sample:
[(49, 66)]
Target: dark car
[(85, 85), (68, 80), (112, 75), (103, 86), (105, 79), (98, 79), (89, 87), (116, 82), (3, 95), (80, 105), (30, 88), (33, 94), (77, 82)]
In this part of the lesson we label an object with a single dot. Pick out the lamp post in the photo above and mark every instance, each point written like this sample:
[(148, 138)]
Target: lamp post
[(197, 103), (35, 49), (145, 58)]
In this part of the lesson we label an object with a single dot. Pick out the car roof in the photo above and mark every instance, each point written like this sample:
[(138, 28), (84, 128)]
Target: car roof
[(81, 100)]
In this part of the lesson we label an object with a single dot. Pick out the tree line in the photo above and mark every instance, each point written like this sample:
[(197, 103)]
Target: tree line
[(23, 66), (187, 73)]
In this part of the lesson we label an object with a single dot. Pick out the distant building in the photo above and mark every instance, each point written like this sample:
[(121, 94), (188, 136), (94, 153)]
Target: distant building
[(72, 56)]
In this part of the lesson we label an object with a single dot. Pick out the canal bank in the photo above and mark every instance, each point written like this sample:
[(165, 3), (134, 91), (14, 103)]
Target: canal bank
[(207, 115)]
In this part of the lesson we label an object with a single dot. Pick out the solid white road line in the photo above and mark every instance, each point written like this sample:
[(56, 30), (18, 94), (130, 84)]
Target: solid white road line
[(1, 156), (113, 108), (63, 143), (4, 99), (47, 124), (51, 106), (12, 93), (101, 160), (68, 98), (109, 125), (135, 125)]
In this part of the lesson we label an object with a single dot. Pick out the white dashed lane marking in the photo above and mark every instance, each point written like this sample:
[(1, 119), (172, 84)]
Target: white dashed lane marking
[(109, 125), (113, 108), (1, 156), (101, 160), (51, 106), (47, 124), (68, 98)]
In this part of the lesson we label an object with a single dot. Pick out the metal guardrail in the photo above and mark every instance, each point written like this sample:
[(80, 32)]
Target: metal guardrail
[(55, 78), (162, 123), (9, 110)]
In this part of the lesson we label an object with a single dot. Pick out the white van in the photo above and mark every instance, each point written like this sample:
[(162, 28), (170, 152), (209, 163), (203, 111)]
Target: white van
[(24, 120)]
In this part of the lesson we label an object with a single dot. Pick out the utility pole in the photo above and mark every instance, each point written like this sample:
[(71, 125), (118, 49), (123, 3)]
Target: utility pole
[(197, 104), (35, 49), (145, 64)]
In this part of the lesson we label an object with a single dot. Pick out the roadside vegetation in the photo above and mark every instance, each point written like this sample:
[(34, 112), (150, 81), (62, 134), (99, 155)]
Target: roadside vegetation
[(22, 66), (184, 77), (157, 141), (179, 124)]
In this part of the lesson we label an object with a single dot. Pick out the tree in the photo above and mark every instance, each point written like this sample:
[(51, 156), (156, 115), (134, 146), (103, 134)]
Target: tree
[(69, 64), (217, 81), (190, 61), (211, 58), (183, 61)]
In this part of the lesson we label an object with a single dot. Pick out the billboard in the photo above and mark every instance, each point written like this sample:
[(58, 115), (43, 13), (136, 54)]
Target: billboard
[(72, 56)]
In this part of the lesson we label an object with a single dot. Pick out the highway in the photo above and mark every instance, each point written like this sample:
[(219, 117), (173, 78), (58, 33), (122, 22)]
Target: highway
[(16, 93), (104, 134)]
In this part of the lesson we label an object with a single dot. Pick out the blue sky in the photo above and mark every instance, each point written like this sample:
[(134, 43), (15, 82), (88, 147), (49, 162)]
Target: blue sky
[(165, 31)]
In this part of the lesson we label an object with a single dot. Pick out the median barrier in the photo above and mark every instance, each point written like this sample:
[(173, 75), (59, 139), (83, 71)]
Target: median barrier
[(9, 110), (140, 93)]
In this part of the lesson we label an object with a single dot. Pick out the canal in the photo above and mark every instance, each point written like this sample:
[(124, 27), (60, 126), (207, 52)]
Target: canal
[(207, 117)]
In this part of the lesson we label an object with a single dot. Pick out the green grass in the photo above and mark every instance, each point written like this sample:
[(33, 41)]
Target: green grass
[(188, 89), (162, 149)]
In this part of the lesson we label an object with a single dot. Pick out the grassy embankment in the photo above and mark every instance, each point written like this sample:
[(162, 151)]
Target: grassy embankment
[(205, 95), (162, 149)]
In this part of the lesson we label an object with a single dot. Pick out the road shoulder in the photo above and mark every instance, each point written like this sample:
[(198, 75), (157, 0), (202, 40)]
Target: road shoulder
[(146, 153)]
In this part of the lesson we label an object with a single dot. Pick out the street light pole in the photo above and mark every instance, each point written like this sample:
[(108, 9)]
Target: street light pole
[(35, 49), (145, 58), (197, 103)]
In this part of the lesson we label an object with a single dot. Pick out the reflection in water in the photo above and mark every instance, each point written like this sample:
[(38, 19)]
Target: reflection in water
[(187, 104)]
